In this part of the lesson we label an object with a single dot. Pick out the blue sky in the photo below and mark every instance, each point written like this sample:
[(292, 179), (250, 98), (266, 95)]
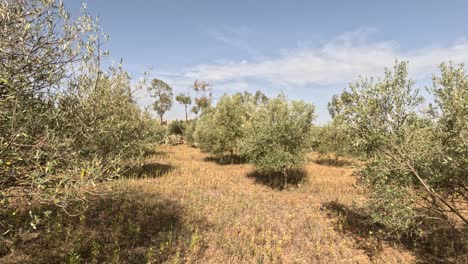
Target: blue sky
[(309, 50)]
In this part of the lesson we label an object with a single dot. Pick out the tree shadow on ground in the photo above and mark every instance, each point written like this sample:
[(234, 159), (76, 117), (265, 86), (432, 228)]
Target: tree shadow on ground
[(332, 162), (155, 153), (130, 228), (277, 180), (227, 159), (446, 245), (149, 170)]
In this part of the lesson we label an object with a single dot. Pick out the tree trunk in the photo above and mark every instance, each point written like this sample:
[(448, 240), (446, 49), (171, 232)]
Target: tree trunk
[(186, 115), (161, 116), (435, 196), (285, 174)]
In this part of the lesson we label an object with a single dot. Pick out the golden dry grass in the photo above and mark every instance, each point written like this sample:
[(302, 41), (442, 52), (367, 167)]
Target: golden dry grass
[(245, 221), (182, 207)]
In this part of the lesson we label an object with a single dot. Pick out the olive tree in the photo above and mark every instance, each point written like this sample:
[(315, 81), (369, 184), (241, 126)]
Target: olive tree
[(416, 168), (65, 123), (220, 129), (330, 139), (277, 137), (39, 42), (450, 112)]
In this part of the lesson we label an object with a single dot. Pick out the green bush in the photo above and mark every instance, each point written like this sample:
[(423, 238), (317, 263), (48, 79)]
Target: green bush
[(329, 139), (220, 129), (277, 137), (417, 161), (62, 129), (177, 127), (189, 132)]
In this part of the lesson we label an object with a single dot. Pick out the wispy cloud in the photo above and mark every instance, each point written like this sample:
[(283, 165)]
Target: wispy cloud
[(236, 38), (338, 61)]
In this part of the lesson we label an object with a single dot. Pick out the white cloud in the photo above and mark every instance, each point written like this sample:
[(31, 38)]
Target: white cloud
[(331, 64), (339, 61)]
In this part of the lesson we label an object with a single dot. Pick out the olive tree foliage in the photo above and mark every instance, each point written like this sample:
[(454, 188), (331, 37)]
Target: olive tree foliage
[(450, 113), (162, 93), (177, 127), (330, 139), (65, 123), (186, 100), (416, 168), (277, 137), (338, 103), (220, 129), (36, 55), (189, 131)]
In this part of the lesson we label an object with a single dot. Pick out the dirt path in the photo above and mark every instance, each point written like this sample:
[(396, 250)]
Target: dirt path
[(238, 219)]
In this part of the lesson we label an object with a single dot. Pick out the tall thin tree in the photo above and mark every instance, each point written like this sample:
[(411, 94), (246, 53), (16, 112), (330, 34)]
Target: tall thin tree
[(186, 100), (162, 92)]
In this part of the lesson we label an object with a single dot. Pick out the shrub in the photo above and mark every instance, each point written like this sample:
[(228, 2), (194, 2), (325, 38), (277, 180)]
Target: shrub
[(330, 139), (417, 163), (277, 138), (189, 132), (450, 113), (62, 127), (177, 127), (221, 128)]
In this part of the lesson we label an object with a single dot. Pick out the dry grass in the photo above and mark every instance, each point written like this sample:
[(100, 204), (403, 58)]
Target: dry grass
[(186, 208), (250, 222)]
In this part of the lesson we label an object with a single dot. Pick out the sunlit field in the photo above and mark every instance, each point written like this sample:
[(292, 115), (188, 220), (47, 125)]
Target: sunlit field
[(233, 132), (183, 207)]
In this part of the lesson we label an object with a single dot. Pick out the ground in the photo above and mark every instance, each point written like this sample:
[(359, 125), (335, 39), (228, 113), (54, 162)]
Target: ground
[(244, 219), (184, 206)]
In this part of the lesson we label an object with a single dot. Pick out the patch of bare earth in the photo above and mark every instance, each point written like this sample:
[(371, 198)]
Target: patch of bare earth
[(246, 221)]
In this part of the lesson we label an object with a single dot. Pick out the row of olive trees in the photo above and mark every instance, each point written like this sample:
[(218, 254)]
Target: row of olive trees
[(272, 133), (64, 122), (417, 153)]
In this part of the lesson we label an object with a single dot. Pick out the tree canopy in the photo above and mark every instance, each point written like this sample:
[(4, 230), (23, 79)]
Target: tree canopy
[(162, 93)]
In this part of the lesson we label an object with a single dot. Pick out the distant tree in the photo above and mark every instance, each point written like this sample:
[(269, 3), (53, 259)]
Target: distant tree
[(260, 98), (162, 92), (256, 99), (186, 100), (204, 99)]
